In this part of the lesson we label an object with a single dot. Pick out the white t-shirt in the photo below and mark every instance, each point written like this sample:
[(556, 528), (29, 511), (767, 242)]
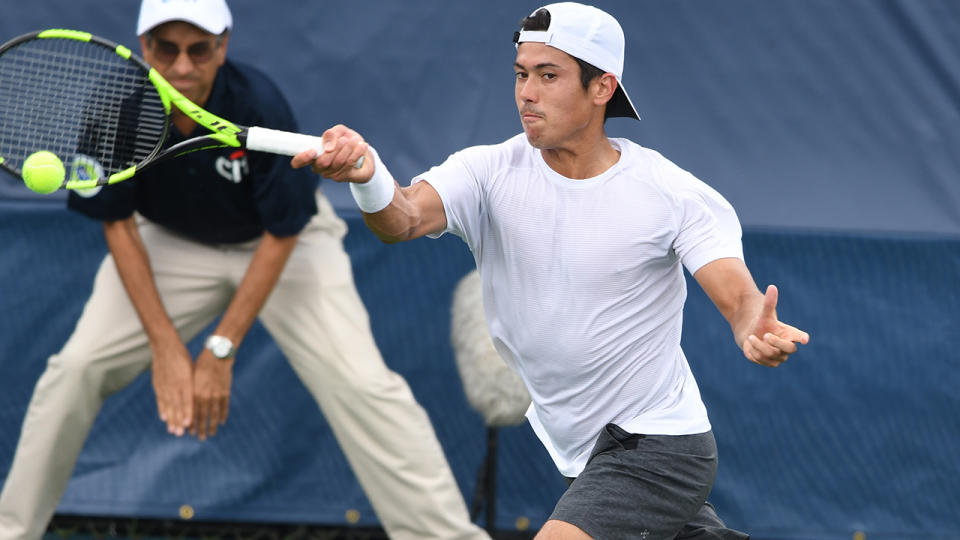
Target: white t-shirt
[(583, 287)]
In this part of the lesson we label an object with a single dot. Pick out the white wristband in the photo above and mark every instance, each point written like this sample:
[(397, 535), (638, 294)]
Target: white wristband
[(375, 194)]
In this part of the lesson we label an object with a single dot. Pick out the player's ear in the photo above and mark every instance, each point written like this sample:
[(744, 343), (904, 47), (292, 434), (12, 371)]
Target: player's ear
[(144, 43), (604, 87)]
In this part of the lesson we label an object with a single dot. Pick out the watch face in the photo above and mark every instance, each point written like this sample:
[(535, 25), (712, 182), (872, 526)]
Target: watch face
[(220, 346)]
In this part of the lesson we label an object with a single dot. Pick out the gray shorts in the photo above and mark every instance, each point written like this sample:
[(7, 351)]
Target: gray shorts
[(646, 487)]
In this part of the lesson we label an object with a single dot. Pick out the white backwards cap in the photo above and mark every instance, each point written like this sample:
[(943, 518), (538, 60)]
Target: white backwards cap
[(592, 35)]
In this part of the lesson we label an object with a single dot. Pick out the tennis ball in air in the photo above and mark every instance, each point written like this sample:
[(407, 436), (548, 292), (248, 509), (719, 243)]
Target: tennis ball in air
[(43, 172)]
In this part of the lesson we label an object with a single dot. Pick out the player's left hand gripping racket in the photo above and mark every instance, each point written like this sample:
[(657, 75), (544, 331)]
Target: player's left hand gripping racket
[(104, 111)]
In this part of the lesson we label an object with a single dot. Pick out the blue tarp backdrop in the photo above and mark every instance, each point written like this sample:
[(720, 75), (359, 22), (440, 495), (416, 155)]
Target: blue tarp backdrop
[(831, 125)]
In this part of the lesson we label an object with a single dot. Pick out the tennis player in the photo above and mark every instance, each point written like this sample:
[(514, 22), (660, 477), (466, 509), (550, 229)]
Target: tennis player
[(581, 241), (243, 236)]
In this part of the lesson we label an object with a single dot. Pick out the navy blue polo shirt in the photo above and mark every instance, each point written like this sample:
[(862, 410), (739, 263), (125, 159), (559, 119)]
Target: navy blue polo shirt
[(224, 195)]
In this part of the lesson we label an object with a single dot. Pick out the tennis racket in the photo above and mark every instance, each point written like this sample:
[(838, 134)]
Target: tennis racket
[(104, 111)]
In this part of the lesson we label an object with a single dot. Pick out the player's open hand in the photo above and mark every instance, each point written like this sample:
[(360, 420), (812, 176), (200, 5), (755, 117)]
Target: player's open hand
[(212, 378), (343, 149), (770, 342), (173, 385)]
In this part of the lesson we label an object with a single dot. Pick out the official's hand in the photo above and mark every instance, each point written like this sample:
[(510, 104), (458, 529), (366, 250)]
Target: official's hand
[(173, 385), (770, 341), (212, 378), (336, 160)]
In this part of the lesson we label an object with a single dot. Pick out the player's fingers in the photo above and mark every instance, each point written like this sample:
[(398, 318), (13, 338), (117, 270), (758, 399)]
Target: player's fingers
[(330, 137), (339, 153), (318, 168), (339, 165), (779, 343), (795, 334), (770, 301), (322, 157), (762, 347), (334, 136), (346, 152), (753, 355), (304, 158), (749, 352), (356, 158), (762, 353), (323, 162)]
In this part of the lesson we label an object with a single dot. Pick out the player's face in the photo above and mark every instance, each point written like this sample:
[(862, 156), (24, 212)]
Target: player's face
[(186, 56), (554, 107)]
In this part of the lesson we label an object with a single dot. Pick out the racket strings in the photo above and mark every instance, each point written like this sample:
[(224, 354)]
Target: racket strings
[(94, 109)]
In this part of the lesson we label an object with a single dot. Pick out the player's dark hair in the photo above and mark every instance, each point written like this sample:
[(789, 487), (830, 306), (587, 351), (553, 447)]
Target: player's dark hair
[(540, 20)]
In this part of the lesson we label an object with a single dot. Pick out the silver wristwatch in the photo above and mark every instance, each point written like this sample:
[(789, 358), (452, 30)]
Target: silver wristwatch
[(220, 346)]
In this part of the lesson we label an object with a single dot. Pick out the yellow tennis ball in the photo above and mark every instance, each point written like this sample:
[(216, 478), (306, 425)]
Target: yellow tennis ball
[(43, 172)]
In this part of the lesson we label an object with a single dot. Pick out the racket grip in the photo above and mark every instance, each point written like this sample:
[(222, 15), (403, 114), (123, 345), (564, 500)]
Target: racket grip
[(284, 143)]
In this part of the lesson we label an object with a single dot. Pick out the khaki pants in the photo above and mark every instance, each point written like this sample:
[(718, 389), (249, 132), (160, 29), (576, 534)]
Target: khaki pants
[(317, 319)]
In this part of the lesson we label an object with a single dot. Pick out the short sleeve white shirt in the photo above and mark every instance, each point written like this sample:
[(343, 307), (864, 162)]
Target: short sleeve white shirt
[(583, 284)]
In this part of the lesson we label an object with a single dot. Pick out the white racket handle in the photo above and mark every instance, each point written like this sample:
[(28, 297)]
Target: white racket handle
[(284, 143)]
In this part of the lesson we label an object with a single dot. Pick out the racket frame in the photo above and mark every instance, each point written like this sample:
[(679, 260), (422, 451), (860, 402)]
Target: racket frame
[(223, 132)]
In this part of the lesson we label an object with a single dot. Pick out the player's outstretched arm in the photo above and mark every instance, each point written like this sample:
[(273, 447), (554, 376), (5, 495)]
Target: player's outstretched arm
[(752, 315), (393, 213)]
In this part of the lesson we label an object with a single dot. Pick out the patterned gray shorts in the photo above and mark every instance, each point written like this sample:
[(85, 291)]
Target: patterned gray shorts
[(646, 487)]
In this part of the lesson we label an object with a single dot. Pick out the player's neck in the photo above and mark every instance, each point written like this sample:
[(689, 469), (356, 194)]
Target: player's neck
[(582, 160)]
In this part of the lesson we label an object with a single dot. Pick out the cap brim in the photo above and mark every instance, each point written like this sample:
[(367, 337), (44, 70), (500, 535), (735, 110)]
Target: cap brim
[(620, 105), (215, 29), (210, 20)]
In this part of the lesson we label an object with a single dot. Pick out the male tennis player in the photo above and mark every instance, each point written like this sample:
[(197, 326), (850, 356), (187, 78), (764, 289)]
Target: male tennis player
[(581, 241), (242, 235)]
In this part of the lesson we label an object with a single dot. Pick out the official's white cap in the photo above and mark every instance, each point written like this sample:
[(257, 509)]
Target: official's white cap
[(210, 15), (592, 35)]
